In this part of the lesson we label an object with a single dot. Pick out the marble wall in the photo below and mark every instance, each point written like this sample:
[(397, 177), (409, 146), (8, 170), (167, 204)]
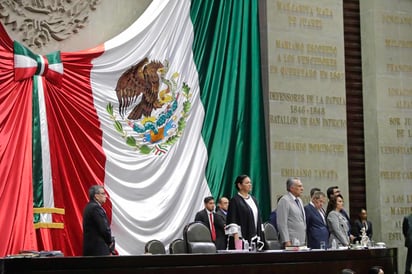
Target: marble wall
[(306, 88), (307, 105), (386, 29)]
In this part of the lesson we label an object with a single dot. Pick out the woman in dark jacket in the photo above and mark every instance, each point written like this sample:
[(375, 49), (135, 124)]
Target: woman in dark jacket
[(361, 223), (244, 211)]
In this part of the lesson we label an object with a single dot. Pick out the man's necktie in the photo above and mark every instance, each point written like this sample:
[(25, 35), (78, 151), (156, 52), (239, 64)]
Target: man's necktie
[(322, 214), (297, 202), (365, 225), (212, 227)]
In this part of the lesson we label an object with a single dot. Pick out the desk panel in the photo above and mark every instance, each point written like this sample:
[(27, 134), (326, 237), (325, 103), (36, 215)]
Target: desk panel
[(319, 262)]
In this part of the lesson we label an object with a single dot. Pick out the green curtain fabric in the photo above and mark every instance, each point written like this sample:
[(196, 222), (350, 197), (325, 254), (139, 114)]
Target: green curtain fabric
[(226, 50)]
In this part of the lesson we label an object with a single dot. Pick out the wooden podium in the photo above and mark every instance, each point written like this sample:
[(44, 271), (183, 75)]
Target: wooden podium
[(319, 262)]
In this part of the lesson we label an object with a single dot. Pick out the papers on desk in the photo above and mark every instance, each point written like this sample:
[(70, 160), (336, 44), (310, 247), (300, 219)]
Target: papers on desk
[(297, 248), (274, 251), (234, 251)]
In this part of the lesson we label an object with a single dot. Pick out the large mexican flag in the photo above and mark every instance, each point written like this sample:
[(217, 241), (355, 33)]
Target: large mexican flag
[(162, 115)]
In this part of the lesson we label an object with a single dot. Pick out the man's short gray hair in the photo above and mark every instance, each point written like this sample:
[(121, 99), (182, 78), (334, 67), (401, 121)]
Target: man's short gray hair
[(318, 194), (290, 182), (93, 190)]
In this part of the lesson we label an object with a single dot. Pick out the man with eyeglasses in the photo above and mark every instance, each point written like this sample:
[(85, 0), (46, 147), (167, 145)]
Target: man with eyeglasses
[(97, 235)]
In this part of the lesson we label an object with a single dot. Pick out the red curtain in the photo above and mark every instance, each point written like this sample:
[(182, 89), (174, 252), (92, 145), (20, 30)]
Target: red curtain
[(16, 198), (77, 157)]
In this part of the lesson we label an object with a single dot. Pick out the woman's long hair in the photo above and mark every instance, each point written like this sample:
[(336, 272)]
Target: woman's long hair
[(332, 204)]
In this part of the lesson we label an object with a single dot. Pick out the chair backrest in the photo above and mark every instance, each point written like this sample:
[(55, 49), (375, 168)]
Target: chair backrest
[(198, 239), (177, 246), (154, 247), (271, 237)]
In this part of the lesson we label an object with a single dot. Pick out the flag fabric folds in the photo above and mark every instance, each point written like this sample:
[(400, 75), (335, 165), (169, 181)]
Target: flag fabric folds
[(126, 114), (226, 50)]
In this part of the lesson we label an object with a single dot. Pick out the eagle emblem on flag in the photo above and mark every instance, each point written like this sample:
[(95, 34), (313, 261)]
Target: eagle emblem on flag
[(153, 107)]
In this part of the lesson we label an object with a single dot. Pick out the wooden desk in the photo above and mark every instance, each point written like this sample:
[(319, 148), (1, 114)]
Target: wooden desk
[(319, 262)]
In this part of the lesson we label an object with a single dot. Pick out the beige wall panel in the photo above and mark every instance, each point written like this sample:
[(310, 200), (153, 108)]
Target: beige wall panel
[(307, 107), (387, 92)]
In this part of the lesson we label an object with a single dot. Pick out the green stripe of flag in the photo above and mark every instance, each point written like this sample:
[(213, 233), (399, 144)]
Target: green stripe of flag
[(227, 55), (37, 151)]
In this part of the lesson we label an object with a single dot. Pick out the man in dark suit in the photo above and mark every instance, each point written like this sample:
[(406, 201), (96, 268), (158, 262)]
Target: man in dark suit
[(214, 222), (97, 235), (316, 227), (407, 232), (272, 216), (223, 205)]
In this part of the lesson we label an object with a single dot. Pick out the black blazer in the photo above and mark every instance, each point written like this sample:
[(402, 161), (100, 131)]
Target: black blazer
[(202, 216), (221, 214), (241, 214), (356, 230), (97, 235)]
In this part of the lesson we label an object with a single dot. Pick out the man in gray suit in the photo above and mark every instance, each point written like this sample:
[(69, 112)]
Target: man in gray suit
[(291, 215)]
